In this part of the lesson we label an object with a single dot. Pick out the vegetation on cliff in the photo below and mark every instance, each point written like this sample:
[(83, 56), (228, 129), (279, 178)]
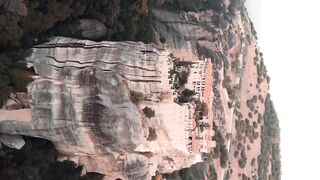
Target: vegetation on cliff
[(270, 147), (37, 161), (124, 20)]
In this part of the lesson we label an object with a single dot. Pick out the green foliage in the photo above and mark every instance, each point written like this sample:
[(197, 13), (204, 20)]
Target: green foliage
[(235, 66), (220, 151), (201, 107), (152, 134), (148, 112), (37, 161), (126, 20), (251, 103), (182, 77), (234, 5), (195, 5), (224, 156), (19, 79), (162, 39), (67, 170), (270, 138), (243, 159), (10, 31), (202, 170), (186, 96), (253, 161), (136, 97), (178, 63)]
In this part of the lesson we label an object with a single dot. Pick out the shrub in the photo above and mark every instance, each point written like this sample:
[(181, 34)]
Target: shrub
[(236, 154), (242, 163), (251, 102), (162, 39), (186, 96), (253, 161), (243, 159), (224, 156), (148, 112), (20, 79), (182, 78), (255, 125), (202, 107), (37, 160), (152, 134), (270, 135), (136, 97)]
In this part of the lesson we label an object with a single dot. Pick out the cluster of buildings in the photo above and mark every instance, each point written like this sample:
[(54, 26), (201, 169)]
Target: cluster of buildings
[(199, 139), (200, 80)]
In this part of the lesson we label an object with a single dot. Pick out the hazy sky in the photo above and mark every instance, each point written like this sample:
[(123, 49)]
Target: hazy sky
[(289, 38)]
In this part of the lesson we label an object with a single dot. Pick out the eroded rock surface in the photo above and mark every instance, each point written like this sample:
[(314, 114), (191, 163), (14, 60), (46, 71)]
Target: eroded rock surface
[(80, 101)]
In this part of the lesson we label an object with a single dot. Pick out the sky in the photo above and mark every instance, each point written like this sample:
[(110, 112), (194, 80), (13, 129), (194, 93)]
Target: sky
[(289, 36)]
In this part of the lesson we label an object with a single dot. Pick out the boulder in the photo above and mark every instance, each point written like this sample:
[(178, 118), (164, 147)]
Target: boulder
[(92, 29), (12, 141)]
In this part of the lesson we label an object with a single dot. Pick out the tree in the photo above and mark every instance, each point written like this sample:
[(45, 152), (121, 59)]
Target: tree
[(148, 112), (224, 156), (182, 78), (186, 96), (203, 125), (162, 39), (19, 79)]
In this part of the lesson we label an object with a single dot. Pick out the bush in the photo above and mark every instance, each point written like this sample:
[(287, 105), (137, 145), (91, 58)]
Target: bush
[(243, 159), (136, 97), (253, 161), (148, 112), (270, 137), (183, 78), (255, 125), (152, 134), (37, 160), (186, 96), (20, 79), (162, 39), (236, 154), (224, 156)]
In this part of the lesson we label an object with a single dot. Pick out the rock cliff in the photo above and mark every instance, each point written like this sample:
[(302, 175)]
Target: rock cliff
[(80, 100)]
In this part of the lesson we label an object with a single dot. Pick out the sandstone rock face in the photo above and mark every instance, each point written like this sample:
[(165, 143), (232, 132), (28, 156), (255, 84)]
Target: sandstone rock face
[(80, 101)]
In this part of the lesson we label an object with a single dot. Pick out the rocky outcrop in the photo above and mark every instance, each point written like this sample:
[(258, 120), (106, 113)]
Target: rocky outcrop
[(92, 29), (12, 141), (80, 100)]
